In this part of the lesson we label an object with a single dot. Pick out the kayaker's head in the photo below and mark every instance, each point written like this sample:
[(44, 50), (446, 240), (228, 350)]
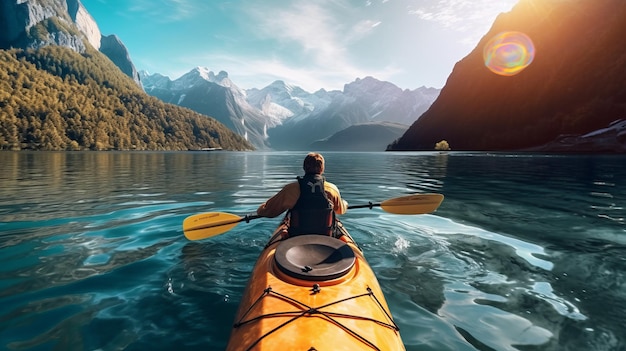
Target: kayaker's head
[(313, 163)]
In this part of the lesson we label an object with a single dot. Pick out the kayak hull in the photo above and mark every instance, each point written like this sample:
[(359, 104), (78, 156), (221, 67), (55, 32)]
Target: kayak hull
[(342, 309)]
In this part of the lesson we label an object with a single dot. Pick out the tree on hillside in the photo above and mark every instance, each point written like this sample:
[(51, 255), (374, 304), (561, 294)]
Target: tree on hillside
[(442, 146)]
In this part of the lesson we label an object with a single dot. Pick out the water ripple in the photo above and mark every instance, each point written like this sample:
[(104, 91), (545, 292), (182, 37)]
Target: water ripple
[(526, 252)]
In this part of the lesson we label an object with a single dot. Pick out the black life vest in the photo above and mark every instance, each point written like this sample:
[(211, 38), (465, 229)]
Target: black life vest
[(313, 212)]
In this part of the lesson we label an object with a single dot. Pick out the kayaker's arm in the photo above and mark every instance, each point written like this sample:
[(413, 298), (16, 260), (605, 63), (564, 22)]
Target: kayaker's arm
[(340, 205), (285, 199)]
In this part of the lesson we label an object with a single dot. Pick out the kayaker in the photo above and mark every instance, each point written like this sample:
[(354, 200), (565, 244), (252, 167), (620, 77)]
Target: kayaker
[(311, 210)]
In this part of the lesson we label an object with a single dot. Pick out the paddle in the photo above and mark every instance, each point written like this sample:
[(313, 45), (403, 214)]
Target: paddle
[(206, 225), (410, 204)]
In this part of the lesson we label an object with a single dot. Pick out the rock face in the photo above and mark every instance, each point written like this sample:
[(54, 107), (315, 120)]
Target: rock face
[(115, 50), (85, 23), (18, 19), (37, 23), (18, 16), (574, 86)]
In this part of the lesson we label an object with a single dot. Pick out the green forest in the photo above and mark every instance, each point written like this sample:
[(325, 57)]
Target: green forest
[(54, 98)]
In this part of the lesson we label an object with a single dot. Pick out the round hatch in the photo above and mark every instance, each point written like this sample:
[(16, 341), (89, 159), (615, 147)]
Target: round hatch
[(314, 257)]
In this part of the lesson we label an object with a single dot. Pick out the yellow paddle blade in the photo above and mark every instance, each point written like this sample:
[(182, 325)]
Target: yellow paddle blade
[(413, 204), (206, 225)]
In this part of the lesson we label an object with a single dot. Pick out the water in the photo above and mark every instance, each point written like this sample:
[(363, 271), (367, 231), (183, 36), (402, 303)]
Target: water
[(527, 252)]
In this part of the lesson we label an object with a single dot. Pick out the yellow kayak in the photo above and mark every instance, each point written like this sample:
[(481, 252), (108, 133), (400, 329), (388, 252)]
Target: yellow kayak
[(313, 292)]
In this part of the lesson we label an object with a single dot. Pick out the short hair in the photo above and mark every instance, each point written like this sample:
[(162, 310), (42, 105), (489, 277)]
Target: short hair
[(313, 163)]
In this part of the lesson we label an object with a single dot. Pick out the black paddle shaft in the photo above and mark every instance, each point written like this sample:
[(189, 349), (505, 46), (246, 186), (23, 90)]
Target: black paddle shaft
[(370, 205)]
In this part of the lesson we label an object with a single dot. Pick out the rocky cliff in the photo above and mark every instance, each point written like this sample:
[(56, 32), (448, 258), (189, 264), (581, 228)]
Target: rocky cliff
[(115, 50), (38, 23), (574, 85)]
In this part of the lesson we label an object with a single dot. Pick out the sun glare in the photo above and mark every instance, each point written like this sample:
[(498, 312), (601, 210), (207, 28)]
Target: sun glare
[(508, 53)]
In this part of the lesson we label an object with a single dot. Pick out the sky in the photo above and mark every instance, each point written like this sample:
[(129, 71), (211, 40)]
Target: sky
[(313, 44)]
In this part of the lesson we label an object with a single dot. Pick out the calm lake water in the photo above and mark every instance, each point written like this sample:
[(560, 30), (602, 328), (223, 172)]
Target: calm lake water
[(527, 252)]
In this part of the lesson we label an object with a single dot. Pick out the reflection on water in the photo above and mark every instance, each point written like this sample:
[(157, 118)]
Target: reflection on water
[(526, 251)]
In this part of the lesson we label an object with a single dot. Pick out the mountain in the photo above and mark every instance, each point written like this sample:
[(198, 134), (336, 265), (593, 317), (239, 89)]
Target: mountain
[(362, 101), (33, 24), (58, 92), (114, 49), (574, 85), (53, 98), (372, 136), (386, 102), (212, 95), (280, 101), (606, 140), (285, 117)]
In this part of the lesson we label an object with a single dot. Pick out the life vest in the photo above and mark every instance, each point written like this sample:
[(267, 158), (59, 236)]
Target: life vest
[(313, 212)]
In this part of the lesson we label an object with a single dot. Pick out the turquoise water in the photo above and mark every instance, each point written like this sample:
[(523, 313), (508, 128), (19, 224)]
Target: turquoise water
[(527, 252)]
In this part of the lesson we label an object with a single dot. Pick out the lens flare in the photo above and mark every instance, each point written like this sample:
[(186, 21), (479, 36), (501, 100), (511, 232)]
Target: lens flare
[(508, 53)]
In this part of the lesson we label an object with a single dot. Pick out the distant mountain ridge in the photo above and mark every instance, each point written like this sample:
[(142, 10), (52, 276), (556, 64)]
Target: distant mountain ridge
[(362, 101), (372, 136), (286, 117)]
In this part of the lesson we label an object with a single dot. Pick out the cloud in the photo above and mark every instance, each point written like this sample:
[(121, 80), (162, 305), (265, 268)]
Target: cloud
[(361, 29), (165, 11), (462, 15), (314, 44), (307, 25), (248, 72), (317, 33)]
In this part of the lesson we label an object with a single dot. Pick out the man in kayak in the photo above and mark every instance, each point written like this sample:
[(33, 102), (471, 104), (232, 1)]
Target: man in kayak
[(312, 202)]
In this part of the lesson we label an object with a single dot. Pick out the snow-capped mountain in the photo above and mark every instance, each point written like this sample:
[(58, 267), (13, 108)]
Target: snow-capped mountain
[(385, 102), (285, 117), (281, 101), (213, 95), (362, 101)]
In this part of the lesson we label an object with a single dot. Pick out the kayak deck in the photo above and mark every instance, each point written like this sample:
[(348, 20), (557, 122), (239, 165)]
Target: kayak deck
[(342, 308)]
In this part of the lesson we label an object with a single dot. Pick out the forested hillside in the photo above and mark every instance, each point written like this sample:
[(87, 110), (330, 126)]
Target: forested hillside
[(54, 98)]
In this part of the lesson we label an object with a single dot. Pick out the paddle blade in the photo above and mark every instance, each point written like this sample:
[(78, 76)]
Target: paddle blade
[(206, 225), (413, 204)]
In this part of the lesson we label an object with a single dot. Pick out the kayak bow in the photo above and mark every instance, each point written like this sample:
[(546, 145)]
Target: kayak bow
[(313, 292)]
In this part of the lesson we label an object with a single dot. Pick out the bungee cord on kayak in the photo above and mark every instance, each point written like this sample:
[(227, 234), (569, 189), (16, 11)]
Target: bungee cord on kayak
[(308, 310)]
